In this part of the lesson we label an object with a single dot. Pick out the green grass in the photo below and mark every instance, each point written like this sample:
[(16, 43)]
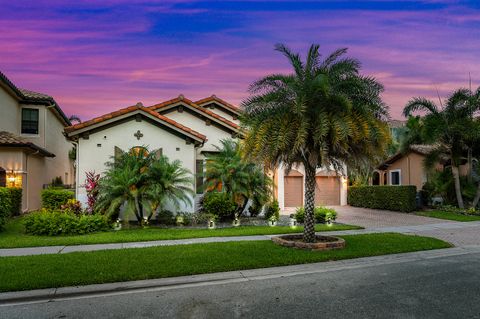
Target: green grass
[(448, 215), (14, 237), (82, 268)]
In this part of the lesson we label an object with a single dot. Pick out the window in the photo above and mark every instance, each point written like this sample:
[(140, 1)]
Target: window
[(199, 176), (395, 178), (29, 121)]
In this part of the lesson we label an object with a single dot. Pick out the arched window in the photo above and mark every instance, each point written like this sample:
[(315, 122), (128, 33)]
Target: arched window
[(376, 178), (139, 150)]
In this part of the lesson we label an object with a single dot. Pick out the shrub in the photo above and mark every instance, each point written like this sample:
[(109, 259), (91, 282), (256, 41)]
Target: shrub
[(166, 217), (396, 198), (53, 223), (72, 206), (272, 210), (202, 218), (10, 203), (219, 204), (322, 214), (53, 198)]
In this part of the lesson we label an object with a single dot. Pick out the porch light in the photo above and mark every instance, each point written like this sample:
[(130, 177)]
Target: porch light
[(13, 179)]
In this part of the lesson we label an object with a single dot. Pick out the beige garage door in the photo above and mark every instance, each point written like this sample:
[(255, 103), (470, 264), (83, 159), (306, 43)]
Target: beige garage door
[(327, 191), (293, 191)]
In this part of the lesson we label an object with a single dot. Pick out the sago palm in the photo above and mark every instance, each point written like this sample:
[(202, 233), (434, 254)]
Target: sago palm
[(323, 114)]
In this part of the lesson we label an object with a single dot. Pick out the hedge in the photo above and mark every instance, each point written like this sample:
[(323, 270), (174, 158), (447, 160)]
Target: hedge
[(54, 223), (54, 198), (396, 198), (10, 203)]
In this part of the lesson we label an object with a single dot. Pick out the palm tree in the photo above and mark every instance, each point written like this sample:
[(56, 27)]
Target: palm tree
[(142, 181), (229, 172), (169, 182), (323, 114), (124, 182), (451, 128)]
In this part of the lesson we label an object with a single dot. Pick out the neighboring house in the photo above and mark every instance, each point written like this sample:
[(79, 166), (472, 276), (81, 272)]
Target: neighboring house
[(33, 149), (184, 130)]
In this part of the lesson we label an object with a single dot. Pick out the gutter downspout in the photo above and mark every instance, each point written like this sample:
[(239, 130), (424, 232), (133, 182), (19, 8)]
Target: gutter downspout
[(77, 170)]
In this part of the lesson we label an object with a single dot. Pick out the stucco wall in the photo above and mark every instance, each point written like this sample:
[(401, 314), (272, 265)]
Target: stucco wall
[(92, 157), (412, 170), (9, 113), (213, 133)]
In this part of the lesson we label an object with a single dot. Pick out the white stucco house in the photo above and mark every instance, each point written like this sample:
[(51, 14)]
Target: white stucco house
[(187, 131), (33, 149)]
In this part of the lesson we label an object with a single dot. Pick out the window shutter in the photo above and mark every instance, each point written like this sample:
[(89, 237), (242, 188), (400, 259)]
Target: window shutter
[(117, 153)]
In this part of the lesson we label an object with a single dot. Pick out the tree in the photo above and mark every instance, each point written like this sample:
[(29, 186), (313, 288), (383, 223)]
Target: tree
[(169, 182), (229, 172), (451, 128), (142, 181), (323, 114)]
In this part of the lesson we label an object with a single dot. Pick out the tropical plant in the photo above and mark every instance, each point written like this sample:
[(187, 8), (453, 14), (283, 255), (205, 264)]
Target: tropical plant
[(169, 183), (91, 186), (143, 182), (451, 128), (324, 114), (227, 171)]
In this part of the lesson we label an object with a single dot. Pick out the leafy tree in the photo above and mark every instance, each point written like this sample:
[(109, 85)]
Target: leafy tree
[(324, 113), (451, 128)]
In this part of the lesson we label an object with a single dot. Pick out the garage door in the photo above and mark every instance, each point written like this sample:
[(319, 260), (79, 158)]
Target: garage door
[(293, 191), (327, 191)]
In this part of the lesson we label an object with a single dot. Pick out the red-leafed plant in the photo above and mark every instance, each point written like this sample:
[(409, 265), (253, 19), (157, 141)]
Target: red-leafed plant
[(91, 185)]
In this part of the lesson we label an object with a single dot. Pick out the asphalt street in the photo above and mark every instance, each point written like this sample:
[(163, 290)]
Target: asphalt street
[(445, 287)]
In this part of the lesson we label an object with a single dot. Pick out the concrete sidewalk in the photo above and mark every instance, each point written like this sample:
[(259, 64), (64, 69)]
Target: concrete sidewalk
[(205, 280), (457, 233)]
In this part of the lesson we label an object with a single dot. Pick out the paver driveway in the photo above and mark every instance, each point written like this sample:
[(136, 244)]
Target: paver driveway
[(375, 218)]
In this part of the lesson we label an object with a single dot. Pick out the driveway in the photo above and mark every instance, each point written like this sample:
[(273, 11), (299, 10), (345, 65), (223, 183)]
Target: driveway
[(375, 218)]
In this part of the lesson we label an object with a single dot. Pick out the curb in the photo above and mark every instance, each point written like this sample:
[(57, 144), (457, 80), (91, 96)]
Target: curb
[(80, 292)]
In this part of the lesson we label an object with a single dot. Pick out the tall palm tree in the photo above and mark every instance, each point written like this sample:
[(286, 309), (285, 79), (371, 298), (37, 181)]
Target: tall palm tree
[(323, 114), (450, 127)]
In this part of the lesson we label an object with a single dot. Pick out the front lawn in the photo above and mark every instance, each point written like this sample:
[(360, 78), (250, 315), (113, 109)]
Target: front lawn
[(13, 236), (83, 268), (449, 216)]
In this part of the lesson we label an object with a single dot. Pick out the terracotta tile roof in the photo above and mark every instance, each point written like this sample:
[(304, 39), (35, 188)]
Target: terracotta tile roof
[(214, 98), (30, 96), (8, 139), (188, 102), (131, 109)]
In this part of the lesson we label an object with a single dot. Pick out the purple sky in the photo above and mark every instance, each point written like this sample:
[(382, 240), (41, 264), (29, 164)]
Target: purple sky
[(95, 58)]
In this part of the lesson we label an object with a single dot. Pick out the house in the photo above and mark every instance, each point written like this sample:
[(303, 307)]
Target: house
[(33, 149), (185, 130)]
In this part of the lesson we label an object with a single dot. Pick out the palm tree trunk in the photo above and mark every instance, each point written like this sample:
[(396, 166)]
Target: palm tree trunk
[(137, 210), (458, 191), (309, 227), (477, 197)]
